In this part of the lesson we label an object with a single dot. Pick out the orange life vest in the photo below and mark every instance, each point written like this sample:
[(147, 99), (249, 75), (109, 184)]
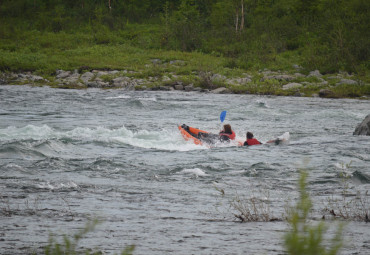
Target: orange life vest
[(230, 136)]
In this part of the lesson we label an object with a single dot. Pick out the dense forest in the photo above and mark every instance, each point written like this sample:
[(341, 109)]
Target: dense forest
[(329, 35)]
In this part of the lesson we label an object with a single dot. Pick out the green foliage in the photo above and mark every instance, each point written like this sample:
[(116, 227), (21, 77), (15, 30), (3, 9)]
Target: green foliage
[(303, 238), (186, 27), (327, 35)]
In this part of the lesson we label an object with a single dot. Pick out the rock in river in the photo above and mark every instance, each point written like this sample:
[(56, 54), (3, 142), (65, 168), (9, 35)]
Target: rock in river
[(364, 127)]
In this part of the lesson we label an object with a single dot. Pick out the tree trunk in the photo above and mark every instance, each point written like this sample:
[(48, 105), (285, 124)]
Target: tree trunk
[(242, 16), (236, 20)]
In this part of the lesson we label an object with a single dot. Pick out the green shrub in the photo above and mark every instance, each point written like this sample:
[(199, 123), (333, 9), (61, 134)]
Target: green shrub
[(304, 239), (70, 245)]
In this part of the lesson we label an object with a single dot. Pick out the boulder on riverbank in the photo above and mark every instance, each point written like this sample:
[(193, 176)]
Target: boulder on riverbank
[(364, 127)]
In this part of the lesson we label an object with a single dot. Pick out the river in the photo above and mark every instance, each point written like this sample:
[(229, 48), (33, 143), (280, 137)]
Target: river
[(67, 156)]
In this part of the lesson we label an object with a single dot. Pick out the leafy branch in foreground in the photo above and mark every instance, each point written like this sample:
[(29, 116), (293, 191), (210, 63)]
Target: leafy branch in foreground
[(303, 238), (70, 245)]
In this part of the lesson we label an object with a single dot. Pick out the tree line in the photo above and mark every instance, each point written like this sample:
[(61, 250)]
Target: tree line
[(329, 35)]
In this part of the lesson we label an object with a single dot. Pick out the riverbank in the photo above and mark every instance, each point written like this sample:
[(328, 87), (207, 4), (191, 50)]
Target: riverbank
[(160, 75)]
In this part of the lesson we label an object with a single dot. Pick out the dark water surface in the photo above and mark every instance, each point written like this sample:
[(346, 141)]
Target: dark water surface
[(67, 156)]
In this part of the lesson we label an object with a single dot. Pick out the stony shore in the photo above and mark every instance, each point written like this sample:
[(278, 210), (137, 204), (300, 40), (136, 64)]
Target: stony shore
[(292, 84)]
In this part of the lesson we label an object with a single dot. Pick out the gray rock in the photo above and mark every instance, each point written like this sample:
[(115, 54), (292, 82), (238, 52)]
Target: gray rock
[(347, 82), (177, 62), (279, 77), (326, 93), (62, 74), (297, 67), (101, 73), (156, 61), (292, 85), (166, 78), (116, 72), (71, 79), (364, 127), (221, 90), (36, 78), (121, 81), (315, 73), (86, 77), (165, 88), (239, 81), (299, 75), (189, 87), (179, 87), (218, 78), (93, 84)]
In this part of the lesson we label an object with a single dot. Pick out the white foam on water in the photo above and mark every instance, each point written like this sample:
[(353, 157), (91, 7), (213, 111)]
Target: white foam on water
[(27, 132), (56, 186), (149, 139), (147, 99), (285, 136), (120, 97), (194, 171)]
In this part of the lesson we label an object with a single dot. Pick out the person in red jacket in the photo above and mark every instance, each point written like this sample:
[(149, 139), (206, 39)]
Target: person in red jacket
[(251, 140), (227, 133)]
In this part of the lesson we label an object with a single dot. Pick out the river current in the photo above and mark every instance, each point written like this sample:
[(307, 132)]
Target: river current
[(69, 156)]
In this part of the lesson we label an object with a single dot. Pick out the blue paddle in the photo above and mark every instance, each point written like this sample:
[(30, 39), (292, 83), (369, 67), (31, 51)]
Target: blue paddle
[(222, 116)]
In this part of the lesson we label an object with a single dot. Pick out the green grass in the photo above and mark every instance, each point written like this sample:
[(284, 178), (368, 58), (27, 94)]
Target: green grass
[(135, 48)]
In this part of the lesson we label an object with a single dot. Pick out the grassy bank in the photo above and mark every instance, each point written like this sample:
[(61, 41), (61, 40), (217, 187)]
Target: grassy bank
[(135, 50)]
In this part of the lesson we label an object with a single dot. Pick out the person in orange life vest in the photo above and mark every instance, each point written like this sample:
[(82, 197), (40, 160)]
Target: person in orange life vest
[(227, 133), (251, 140)]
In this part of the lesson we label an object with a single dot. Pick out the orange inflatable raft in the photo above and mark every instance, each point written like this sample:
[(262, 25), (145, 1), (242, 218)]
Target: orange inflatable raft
[(192, 134)]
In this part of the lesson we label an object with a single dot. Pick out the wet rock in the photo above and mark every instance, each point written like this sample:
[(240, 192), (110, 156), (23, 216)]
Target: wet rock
[(326, 93), (93, 84), (189, 87), (221, 90), (165, 88), (292, 85), (364, 127), (179, 87)]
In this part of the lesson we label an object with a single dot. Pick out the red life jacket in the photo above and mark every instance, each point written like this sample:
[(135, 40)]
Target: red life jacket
[(252, 141), (230, 136)]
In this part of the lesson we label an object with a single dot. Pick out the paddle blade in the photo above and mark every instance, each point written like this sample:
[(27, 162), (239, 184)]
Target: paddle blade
[(222, 116)]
